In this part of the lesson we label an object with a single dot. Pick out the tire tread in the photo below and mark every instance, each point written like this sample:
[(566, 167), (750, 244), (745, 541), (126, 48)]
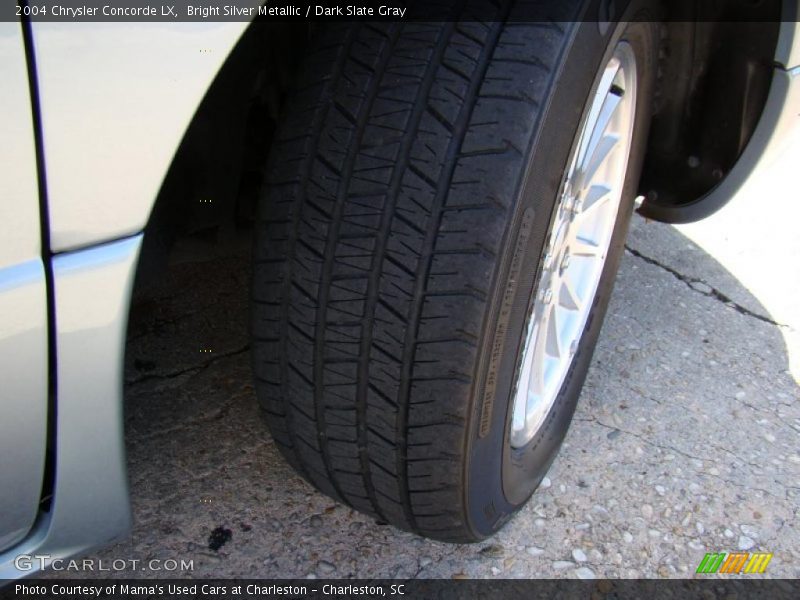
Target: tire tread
[(390, 188)]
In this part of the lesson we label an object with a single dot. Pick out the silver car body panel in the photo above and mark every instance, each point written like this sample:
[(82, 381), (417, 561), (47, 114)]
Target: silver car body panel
[(90, 505), (788, 51), (116, 99), (23, 396), (19, 192), (23, 302)]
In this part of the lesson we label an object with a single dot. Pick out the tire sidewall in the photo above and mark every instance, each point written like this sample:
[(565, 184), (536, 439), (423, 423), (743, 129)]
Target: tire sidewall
[(501, 479)]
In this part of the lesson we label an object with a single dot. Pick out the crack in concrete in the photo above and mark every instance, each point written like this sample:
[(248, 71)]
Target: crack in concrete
[(693, 282), (193, 369), (643, 439), (691, 409), (214, 415), (157, 325)]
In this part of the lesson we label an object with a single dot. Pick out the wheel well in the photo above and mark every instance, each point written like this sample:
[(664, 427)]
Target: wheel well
[(209, 193), (714, 76)]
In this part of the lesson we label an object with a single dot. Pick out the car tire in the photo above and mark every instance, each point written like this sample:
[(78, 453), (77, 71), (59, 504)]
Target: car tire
[(413, 187)]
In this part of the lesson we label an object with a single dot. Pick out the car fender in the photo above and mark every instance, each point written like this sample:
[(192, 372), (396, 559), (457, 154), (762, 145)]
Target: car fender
[(115, 101)]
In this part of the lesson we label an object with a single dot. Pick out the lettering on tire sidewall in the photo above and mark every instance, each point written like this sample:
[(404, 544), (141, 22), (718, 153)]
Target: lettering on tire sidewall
[(503, 318)]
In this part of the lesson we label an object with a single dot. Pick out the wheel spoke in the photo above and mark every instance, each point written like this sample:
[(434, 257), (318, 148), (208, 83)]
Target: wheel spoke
[(596, 158), (609, 108), (583, 247), (536, 381), (524, 385), (553, 344), (597, 195), (568, 298), (539, 356), (596, 112)]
